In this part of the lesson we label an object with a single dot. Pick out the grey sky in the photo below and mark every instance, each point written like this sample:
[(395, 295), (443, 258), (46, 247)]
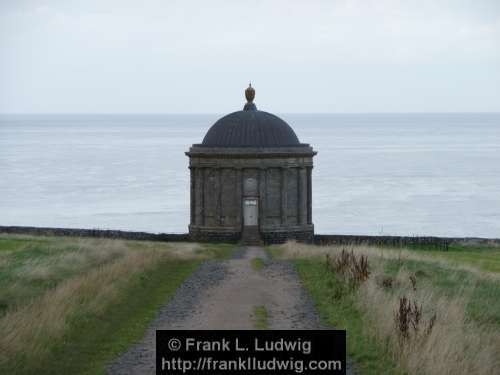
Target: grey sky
[(198, 56)]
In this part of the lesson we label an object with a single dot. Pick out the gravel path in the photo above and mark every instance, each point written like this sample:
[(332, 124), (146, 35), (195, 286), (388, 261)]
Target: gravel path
[(223, 295)]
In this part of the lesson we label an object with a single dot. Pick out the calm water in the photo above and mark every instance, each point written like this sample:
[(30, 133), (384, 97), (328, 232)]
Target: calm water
[(432, 174)]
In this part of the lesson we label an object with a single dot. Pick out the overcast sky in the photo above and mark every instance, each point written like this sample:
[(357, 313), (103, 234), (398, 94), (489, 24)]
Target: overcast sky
[(98, 56)]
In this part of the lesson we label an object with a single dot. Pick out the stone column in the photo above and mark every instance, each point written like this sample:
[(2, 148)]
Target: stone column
[(238, 196), (192, 192), (309, 195), (284, 195), (262, 196), (303, 192), (203, 188), (199, 195), (218, 207)]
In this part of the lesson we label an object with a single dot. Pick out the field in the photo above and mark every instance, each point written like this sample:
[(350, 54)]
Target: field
[(408, 311), (70, 305)]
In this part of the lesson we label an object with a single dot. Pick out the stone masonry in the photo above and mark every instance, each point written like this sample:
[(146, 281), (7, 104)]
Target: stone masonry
[(221, 177)]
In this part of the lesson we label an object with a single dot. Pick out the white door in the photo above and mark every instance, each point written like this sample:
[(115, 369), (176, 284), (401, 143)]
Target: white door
[(250, 212)]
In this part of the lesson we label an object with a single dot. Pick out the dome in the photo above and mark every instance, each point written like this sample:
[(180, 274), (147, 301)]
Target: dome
[(251, 128)]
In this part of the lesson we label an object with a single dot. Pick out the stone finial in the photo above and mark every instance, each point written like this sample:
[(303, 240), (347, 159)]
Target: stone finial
[(250, 95)]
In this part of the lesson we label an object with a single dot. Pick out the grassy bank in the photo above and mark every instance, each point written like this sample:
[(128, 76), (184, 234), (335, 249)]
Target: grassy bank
[(416, 312), (483, 257), (71, 305), (341, 313)]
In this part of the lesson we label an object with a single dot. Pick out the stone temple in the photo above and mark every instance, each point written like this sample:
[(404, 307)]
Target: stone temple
[(251, 180)]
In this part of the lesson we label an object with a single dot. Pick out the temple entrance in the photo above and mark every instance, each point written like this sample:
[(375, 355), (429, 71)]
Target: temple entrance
[(250, 212), (251, 234)]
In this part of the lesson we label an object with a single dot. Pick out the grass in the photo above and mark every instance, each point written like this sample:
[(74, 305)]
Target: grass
[(484, 257), (465, 299), (92, 339), (32, 265), (342, 313), (71, 305), (483, 294), (260, 317), (258, 264), (9, 243), (217, 251)]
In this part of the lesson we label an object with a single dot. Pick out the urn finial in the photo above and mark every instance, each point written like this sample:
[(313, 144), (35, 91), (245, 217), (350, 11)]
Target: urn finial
[(250, 95)]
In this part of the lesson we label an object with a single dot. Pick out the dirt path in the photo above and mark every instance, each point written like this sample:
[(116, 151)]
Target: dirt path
[(224, 296)]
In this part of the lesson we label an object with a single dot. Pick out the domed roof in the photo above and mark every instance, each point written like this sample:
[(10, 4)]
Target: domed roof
[(250, 128)]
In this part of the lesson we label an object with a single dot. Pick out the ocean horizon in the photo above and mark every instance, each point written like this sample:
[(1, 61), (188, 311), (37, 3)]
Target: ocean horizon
[(375, 173)]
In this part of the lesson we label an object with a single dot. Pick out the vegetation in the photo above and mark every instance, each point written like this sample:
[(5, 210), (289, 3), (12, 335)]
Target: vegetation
[(407, 311), (70, 305), (258, 264), (484, 258), (260, 317)]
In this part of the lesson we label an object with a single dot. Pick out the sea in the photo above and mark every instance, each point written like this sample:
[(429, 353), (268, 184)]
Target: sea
[(375, 174)]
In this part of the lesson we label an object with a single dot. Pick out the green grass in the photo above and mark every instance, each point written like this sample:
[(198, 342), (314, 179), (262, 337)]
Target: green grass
[(484, 303), (337, 309), (486, 260), (260, 317), (275, 251), (372, 343), (483, 257), (32, 267), (258, 264), (93, 341), (17, 254), (17, 288), (9, 243), (218, 251)]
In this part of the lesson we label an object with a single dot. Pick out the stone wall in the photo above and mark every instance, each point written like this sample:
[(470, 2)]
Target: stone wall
[(281, 182), (441, 243), (213, 235), (99, 233), (282, 237)]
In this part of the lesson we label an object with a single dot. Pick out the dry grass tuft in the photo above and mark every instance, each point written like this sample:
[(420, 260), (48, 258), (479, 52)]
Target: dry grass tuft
[(352, 269), (409, 322)]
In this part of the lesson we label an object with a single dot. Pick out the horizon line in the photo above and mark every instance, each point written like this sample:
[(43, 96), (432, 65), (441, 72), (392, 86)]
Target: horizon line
[(223, 113)]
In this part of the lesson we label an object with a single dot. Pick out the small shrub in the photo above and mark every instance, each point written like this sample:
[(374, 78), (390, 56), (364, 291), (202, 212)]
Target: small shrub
[(408, 320), (421, 273), (430, 324), (413, 281), (386, 282), (342, 262), (351, 269)]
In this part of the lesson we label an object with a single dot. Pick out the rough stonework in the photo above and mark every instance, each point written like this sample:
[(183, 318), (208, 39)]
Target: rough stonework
[(274, 237), (251, 167), (97, 233)]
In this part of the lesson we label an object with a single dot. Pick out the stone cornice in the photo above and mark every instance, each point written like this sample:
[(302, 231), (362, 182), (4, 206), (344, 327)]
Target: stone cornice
[(250, 152), (302, 161)]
